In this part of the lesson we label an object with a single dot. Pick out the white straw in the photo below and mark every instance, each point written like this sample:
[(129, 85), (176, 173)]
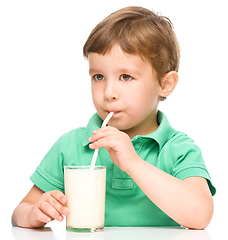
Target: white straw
[(93, 162)]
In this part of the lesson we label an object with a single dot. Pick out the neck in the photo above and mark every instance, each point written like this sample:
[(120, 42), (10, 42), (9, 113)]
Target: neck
[(144, 128)]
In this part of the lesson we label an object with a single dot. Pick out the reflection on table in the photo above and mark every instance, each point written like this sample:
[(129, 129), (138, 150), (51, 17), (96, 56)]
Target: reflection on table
[(114, 233)]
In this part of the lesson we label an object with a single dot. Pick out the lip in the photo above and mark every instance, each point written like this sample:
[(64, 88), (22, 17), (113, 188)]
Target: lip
[(115, 112)]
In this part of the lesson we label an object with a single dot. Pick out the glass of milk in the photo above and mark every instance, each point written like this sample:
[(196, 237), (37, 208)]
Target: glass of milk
[(85, 191)]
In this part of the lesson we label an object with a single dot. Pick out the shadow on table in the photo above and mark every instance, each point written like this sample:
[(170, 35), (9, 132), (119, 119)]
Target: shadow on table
[(45, 233), (112, 233), (158, 233)]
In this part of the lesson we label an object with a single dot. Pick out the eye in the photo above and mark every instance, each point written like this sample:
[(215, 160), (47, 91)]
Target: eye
[(125, 77), (99, 77)]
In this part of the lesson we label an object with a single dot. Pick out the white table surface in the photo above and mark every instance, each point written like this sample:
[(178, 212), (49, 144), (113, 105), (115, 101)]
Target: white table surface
[(56, 231), (111, 234)]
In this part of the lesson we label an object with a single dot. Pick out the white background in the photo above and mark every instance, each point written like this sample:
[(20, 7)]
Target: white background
[(45, 85)]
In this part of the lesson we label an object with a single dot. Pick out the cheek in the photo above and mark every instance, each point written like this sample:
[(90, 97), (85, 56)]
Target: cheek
[(144, 98), (96, 94)]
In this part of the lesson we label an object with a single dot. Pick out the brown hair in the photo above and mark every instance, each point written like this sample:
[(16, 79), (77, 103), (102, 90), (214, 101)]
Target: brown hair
[(138, 31)]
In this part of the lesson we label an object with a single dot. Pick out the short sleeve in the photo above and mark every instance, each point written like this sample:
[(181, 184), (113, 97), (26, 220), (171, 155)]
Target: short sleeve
[(49, 175), (188, 160)]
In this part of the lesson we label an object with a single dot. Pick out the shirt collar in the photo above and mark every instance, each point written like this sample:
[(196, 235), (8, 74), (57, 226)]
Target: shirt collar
[(163, 133), (93, 124)]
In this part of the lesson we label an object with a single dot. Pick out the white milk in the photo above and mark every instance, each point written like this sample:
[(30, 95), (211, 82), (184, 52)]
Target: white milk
[(85, 190)]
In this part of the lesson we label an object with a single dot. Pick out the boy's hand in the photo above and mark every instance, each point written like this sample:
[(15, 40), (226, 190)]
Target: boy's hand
[(50, 206), (118, 144)]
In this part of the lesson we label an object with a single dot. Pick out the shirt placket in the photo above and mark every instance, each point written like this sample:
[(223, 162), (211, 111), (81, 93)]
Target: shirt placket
[(121, 180)]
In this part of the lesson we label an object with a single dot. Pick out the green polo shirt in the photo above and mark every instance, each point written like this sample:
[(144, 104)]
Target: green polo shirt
[(126, 205)]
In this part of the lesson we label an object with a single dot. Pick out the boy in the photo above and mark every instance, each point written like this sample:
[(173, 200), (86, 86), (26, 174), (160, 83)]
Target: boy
[(156, 175)]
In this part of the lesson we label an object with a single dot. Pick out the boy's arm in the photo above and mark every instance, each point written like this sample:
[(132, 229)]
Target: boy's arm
[(38, 208), (188, 202)]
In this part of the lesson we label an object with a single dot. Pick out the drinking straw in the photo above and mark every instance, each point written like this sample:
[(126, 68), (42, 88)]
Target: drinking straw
[(93, 162)]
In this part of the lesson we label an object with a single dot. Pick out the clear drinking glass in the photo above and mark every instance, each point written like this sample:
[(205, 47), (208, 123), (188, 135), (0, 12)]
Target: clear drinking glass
[(85, 191)]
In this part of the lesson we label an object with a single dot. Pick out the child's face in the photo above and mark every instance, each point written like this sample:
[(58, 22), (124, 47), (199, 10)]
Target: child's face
[(125, 84)]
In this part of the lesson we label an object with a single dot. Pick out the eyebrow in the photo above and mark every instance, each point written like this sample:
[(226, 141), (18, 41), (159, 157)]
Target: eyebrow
[(130, 71), (122, 70), (94, 70)]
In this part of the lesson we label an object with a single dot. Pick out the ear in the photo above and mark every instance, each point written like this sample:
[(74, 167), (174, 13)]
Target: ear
[(168, 84)]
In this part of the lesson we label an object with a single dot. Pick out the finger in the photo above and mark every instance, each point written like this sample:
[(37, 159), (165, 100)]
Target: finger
[(59, 196), (102, 133), (51, 211), (95, 145), (106, 142), (58, 200), (40, 216)]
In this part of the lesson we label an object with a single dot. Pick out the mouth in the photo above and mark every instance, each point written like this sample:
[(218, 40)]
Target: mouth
[(115, 112)]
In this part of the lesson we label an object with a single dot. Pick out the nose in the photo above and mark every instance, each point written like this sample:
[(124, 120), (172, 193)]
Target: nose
[(111, 92)]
